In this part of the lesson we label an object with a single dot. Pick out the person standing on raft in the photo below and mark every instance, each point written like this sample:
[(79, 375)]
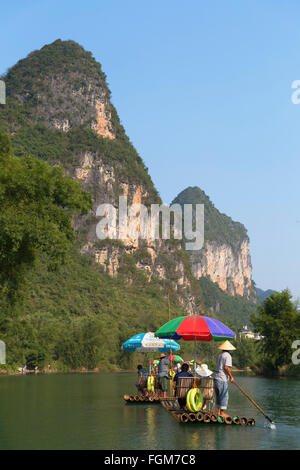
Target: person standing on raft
[(221, 376), (163, 374)]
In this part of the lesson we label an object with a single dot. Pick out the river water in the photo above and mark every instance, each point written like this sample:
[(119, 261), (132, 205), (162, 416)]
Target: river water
[(87, 411)]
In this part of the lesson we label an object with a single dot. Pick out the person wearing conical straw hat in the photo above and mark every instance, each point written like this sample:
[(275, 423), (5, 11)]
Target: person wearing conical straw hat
[(163, 374), (221, 376)]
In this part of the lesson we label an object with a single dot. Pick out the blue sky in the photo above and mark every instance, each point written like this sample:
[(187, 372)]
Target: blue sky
[(204, 92)]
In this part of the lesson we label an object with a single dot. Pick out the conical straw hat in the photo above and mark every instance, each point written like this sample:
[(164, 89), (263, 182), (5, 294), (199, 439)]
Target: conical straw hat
[(227, 346)]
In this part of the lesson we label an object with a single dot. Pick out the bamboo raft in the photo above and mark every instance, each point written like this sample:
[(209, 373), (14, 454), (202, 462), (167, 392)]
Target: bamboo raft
[(211, 418), (182, 415), (204, 417), (134, 399)]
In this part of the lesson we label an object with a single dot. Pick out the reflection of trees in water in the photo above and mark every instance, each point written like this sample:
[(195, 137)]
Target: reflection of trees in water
[(142, 427), (193, 436), (151, 419), (204, 437)]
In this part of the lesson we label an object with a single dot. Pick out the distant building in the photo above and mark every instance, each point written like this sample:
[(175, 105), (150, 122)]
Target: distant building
[(246, 333)]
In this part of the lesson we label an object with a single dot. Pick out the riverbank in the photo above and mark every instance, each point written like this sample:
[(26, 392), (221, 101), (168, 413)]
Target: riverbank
[(59, 369), (283, 372)]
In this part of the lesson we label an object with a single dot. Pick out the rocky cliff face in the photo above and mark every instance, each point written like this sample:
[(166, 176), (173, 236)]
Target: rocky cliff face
[(59, 109), (225, 257), (158, 258), (64, 87), (232, 271)]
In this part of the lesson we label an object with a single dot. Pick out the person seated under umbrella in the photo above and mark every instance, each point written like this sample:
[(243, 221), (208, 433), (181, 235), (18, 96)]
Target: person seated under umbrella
[(182, 381), (141, 384), (206, 385)]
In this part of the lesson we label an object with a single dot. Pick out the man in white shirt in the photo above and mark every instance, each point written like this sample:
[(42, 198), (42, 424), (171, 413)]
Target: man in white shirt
[(221, 376)]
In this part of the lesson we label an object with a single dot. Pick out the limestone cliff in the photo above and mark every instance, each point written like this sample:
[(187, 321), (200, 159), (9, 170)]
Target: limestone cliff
[(59, 109), (62, 86), (162, 259), (225, 257), (231, 270)]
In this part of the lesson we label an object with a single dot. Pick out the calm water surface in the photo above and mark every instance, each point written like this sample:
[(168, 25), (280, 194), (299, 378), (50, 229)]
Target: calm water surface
[(87, 411)]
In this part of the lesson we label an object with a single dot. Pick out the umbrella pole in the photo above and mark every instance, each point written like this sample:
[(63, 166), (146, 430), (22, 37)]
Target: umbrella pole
[(170, 346), (195, 356), (195, 382)]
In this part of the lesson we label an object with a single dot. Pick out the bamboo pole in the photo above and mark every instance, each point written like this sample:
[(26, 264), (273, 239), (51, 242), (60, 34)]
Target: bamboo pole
[(251, 422), (236, 420), (253, 402), (184, 418), (192, 417), (228, 420)]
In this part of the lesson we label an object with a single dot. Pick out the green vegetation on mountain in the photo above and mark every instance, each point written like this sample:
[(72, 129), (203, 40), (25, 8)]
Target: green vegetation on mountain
[(54, 83), (264, 294), (234, 311), (67, 312), (58, 147), (217, 227), (79, 317), (28, 83), (37, 202)]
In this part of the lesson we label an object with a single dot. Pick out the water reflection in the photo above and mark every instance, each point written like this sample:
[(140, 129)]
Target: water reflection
[(151, 419), (87, 411)]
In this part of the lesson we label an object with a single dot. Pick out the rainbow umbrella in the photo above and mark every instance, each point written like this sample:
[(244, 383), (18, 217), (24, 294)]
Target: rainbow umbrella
[(175, 358), (195, 328), (193, 360), (154, 362)]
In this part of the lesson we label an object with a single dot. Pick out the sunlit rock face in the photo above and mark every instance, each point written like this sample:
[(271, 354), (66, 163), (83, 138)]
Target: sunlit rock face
[(231, 270), (155, 257), (225, 256)]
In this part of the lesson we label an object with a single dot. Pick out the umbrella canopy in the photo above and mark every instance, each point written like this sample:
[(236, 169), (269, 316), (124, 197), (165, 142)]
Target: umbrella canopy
[(195, 328), (193, 360), (154, 362), (147, 342), (175, 358)]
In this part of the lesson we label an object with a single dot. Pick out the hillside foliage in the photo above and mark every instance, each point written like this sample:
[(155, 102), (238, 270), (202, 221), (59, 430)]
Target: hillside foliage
[(218, 227), (37, 202)]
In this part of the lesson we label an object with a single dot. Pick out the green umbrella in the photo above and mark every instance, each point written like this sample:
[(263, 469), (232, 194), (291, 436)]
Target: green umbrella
[(175, 358)]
